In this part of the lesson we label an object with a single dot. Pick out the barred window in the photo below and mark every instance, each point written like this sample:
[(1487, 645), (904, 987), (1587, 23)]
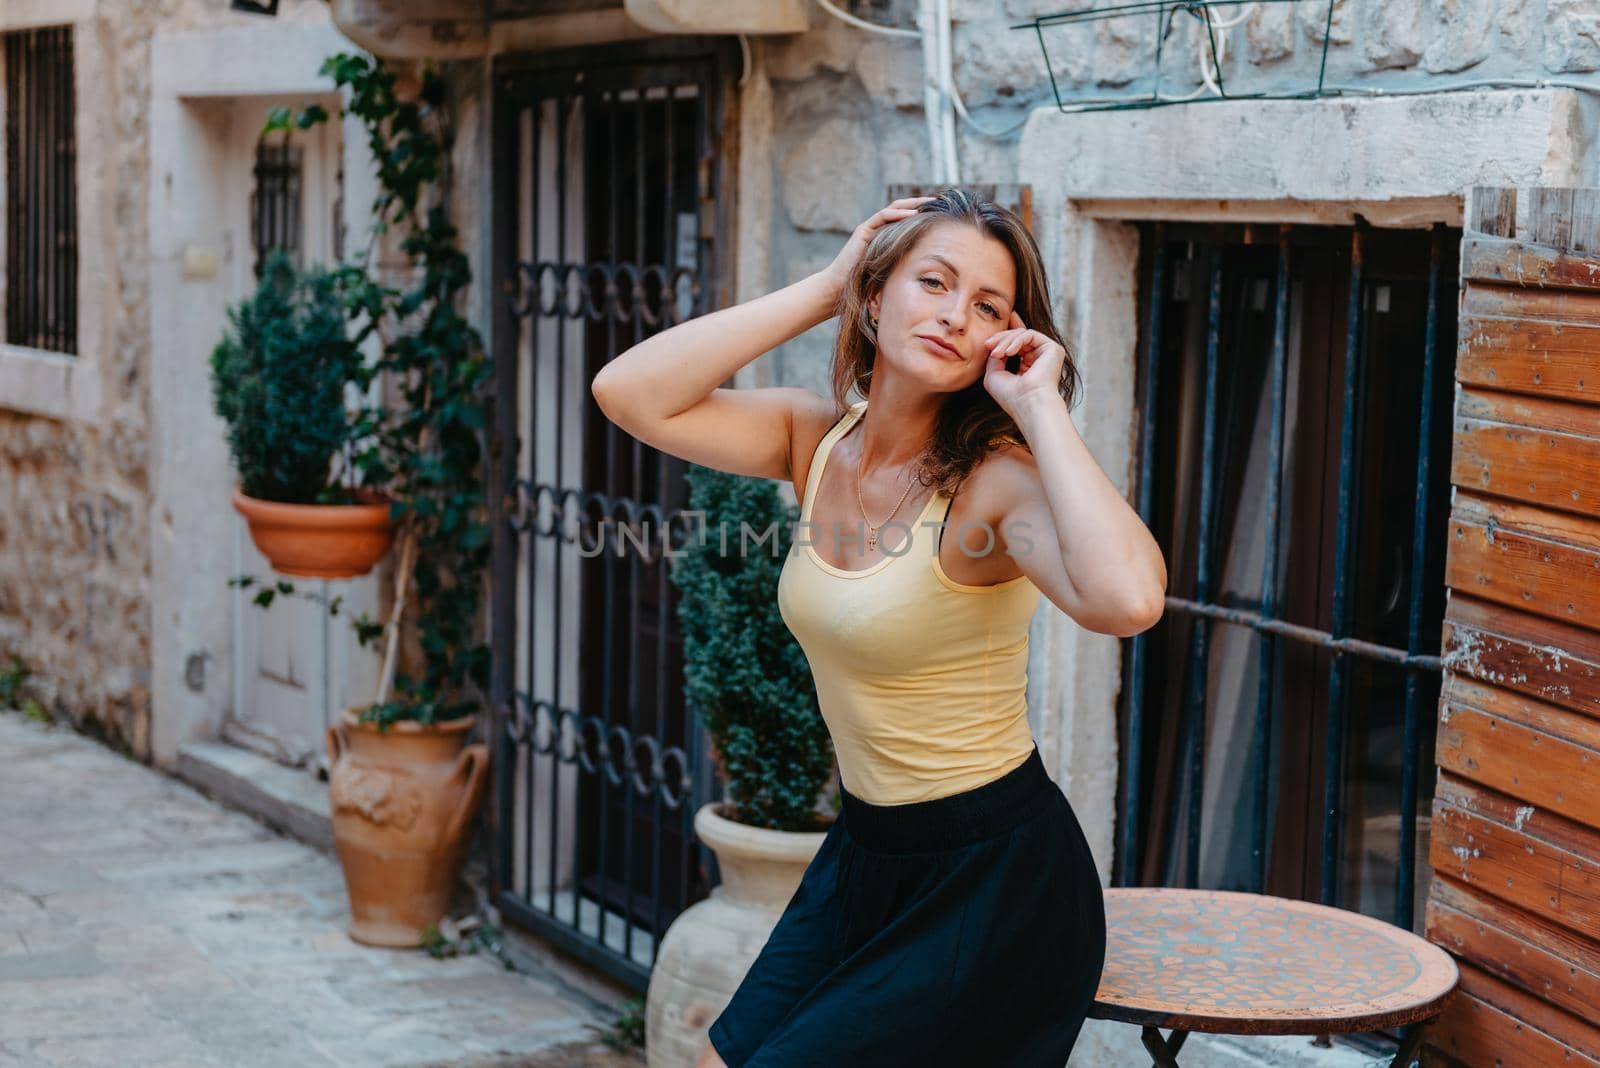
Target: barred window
[(275, 202), (41, 215), (1278, 722)]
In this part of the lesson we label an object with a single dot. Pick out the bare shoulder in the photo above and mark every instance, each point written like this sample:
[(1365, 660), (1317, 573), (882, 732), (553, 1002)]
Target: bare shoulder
[(813, 414), (811, 417), (1005, 476)]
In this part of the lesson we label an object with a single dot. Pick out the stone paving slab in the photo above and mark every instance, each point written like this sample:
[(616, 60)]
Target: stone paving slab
[(142, 924)]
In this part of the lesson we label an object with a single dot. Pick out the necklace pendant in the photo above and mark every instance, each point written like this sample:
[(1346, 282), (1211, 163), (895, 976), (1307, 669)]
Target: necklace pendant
[(872, 538)]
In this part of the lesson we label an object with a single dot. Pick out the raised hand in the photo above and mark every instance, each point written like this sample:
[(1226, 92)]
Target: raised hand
[(838, 272), (1038, 372)]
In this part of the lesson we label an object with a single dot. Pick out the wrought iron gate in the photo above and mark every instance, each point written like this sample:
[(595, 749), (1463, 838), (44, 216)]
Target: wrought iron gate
[(606, 170)]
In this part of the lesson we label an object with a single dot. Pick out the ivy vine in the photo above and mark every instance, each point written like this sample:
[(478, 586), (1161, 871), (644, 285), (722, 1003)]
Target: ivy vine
[(427, 449)]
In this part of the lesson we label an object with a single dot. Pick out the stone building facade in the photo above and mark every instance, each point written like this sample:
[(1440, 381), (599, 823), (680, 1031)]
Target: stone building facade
[(75, 480), (1433, 99), (96, 444), (112, 560)]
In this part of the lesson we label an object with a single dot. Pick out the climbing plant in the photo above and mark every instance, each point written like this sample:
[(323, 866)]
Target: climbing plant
[(426, 446)]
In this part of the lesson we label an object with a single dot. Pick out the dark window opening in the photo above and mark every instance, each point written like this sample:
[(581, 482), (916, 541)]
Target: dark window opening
[(275, 202), (1345, 565), (41, 191)]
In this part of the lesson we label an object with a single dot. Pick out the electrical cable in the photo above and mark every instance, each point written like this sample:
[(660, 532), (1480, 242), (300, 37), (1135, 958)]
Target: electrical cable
[(1334, 91), (863, 24), (986, 131), (1486, 83), (952, 95)]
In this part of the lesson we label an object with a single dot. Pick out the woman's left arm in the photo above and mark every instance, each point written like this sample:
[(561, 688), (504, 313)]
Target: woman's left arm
[(1067, 525)]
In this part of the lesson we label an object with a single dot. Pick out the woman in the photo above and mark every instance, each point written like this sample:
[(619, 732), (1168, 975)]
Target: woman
[(953, 915)]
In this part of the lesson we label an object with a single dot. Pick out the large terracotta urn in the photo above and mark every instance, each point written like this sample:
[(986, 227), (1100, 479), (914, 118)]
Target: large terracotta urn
[(710, 946), (403, 798)]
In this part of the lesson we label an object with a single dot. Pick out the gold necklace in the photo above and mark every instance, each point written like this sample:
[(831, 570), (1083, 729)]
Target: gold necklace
[(872, 531)]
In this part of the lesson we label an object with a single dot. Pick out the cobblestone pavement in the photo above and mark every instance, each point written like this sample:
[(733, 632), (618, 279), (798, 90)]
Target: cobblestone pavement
[(143, 924)]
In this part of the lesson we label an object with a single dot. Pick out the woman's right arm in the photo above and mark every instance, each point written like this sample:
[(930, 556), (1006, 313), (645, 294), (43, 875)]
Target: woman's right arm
[(666, 390)]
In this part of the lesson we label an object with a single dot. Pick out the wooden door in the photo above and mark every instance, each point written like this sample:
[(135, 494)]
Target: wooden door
[(1516, 815), (297, 667)]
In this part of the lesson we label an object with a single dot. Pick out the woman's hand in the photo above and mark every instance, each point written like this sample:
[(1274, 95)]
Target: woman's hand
[(1038, 374), (837, 273)]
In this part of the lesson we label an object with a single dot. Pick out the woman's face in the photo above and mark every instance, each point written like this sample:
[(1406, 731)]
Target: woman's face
[(951, 292)]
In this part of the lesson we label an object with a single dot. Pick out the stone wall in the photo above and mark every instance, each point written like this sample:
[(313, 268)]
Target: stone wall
[(75, 515), (847, 119), (842, 118)]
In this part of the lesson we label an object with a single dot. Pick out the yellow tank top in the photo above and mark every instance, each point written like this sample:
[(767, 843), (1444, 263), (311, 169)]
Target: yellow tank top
[(921, 680)]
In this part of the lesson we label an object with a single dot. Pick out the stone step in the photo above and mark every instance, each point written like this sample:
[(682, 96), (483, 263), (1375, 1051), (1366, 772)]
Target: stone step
[(286, 799)]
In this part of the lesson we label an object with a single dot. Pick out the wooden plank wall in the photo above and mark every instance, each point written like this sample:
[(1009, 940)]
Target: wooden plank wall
[(1515, 843)]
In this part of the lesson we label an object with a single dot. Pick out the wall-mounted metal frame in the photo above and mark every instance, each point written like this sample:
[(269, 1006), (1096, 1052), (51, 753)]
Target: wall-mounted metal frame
[(1164, 16)]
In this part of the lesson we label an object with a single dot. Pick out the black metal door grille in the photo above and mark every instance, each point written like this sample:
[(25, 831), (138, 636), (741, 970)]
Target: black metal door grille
[(41, 191), (605, 166), (1295, 387)]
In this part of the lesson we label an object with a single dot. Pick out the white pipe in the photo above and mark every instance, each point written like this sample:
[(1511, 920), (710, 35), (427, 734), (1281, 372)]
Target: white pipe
[(927, 24), (947, 81)]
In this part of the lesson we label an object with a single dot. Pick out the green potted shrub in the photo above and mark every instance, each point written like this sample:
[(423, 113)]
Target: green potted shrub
[(744, 674), (749, 682), (278, 381)]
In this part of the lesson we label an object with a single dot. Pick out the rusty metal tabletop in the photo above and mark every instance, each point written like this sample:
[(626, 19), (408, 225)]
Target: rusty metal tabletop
[(1234, 963)]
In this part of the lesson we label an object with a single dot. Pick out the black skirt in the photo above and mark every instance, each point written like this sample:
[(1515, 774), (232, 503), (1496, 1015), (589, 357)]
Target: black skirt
[(966, 930)]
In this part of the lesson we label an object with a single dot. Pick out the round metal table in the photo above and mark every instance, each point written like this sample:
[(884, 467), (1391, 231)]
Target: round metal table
[(1232, 963)]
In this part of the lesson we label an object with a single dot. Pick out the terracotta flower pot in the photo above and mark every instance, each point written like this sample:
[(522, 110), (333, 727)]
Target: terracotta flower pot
[(329, 541), (402, 800)]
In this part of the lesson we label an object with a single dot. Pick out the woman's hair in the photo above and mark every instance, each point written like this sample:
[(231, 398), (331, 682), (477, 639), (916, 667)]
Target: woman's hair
[(971, 423)]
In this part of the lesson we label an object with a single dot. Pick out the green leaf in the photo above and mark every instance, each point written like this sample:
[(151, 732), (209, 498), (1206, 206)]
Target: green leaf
[(311, 115), (277, 120)]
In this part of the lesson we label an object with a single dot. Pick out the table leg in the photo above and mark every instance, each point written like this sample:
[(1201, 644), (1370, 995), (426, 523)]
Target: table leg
[(1164, 1050), (1409, 1047)]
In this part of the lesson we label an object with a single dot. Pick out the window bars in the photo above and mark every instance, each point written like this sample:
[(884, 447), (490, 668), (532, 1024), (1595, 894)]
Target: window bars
[(276, 200), (1163, 20), (41, 191), (1293, 463)]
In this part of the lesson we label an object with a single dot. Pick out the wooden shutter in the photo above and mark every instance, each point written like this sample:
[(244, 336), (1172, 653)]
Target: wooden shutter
[(1516, 817)]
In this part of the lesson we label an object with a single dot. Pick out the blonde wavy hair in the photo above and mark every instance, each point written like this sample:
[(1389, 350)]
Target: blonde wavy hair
[(971, 424)]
